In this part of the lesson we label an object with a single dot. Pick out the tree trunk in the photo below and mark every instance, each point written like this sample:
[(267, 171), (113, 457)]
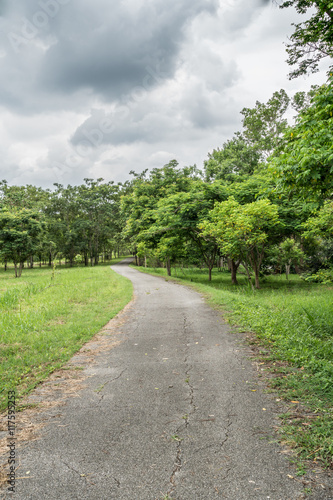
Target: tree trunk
[(256, 271), (287, 270), (5, 265), (256, 278), (20, 270), (233, 267), (50, 259), (221, 263), (210, 273), (168, 266), (32, 262)]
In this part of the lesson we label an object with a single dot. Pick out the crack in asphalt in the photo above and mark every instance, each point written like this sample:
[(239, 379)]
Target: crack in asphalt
[(72, 469), (117, 482), (229, 423), (107, 382), (191, 411), (178, 466), (188, 369), (223, 443)]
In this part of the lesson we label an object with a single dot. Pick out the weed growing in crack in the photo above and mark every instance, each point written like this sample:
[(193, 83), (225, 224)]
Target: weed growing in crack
[(176, 438)]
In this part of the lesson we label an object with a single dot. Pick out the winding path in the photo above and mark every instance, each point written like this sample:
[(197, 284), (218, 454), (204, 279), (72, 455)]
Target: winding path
[(173, 412)]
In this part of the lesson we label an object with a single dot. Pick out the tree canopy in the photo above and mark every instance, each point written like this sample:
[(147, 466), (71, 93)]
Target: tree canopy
[(303, 162), (312, 39)]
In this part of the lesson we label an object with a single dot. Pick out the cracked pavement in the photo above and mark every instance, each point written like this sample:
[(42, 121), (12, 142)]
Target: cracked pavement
[(169, 413)]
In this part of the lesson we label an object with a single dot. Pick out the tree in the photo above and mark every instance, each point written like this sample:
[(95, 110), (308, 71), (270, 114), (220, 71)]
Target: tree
[(303, 163), (139, 203), (19, 233), (84, 219), (235, 159), (99, 219), (289, 253), (312, 39), (265, 123), (242, 231), (179, 215), (302, 100), (263, 127), (63, 222), (320, 224)]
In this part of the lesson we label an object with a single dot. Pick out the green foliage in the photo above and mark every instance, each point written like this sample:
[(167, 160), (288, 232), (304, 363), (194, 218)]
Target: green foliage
[(84, 219), (263, 127), (139, 203), (312, 39), (320, 224), (163, 213), (289, 252), (19, 233), (265, 123), (324, 276), (235, 158), (304, 162), (242, 231)]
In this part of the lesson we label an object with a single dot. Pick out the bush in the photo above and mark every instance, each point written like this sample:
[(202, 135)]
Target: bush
[(323, 276)]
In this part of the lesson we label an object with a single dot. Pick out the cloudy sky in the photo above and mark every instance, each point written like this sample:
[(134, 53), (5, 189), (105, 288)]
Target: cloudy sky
[(96, 89)]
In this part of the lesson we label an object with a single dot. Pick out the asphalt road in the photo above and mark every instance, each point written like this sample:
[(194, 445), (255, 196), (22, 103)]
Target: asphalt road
[(173, 412)]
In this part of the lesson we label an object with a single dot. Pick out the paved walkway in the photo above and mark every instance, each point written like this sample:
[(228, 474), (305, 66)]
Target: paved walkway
[(172, 412)]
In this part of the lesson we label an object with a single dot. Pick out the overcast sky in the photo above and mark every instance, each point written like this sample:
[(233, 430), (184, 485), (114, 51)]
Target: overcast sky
[(96, 89)]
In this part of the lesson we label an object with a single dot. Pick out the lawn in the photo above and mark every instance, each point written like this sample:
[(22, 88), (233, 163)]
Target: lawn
[(293, 326), (48, 314)]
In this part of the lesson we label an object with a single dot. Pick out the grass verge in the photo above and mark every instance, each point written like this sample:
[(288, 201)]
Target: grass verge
[(47, 315), (293, 326)]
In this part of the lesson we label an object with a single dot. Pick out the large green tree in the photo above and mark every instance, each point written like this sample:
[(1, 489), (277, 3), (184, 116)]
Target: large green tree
[(141, 199), (180, 215), (243, 231)]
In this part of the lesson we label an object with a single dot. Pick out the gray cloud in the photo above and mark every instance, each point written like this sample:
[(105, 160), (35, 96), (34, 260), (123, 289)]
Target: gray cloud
[(66, 46), (118, 48)]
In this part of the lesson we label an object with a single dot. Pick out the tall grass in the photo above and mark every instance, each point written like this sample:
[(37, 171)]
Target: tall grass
[(48, 315)]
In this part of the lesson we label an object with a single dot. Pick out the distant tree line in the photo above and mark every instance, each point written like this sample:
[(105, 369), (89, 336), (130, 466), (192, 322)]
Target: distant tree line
[(77, 223)]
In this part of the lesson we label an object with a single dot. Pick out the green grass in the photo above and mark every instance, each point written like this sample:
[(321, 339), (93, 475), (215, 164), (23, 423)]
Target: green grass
[(47, 315), (293, 326)]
